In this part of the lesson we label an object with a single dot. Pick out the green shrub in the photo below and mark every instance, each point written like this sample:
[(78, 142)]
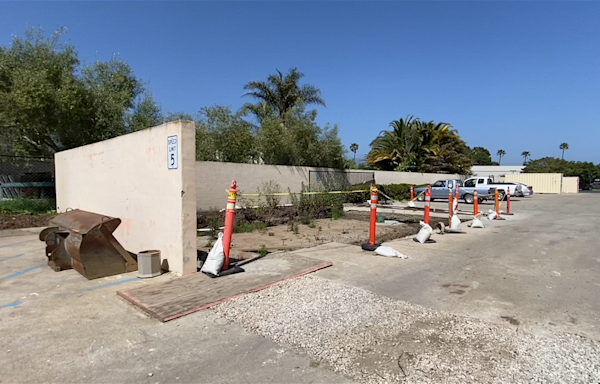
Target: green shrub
[(28, 206)]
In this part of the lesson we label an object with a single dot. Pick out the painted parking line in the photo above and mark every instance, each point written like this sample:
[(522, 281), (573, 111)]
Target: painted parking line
[(21, 254), (11, 305), (21, 242), (19, 273), (106, 285), (99, 286), (12, 257)]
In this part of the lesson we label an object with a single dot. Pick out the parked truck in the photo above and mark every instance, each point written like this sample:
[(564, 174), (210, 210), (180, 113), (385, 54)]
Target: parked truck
[(439, 191), (515, 189)]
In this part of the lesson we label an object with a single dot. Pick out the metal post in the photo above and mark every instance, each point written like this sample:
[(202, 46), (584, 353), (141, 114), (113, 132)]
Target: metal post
[(229, 216)]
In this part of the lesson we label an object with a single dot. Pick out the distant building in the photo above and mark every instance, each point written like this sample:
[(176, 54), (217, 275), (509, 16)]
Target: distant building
[(497, 172)]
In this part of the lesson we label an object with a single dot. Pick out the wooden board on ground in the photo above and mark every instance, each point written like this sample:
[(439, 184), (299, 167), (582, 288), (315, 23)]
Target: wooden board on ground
[(181, 296)]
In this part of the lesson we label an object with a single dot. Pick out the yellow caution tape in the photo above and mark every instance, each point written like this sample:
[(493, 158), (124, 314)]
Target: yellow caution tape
[(300, 193)]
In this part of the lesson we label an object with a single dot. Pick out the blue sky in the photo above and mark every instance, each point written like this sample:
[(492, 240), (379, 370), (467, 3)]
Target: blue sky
[(518, 76)]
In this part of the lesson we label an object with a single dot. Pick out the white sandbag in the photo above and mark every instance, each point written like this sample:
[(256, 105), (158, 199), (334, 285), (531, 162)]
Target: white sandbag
[(455, 222), (424, 233), (384, 250), (492, 215), (477, 223), (412, 204), (216, 257)]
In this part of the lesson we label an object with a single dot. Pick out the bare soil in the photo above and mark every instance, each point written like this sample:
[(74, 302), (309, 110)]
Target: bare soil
[(24, 221), (352, 229)]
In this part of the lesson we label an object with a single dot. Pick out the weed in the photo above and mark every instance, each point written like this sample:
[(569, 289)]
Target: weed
[(271, 234), (337, 214), (312, 224), (250, 227), (263, 250), (295, 229)]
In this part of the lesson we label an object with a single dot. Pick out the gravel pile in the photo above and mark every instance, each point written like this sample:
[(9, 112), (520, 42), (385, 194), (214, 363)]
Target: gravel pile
[(374, 339)]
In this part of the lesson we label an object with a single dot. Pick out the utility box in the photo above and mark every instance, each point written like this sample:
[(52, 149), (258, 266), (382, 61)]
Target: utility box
[(148, 264)]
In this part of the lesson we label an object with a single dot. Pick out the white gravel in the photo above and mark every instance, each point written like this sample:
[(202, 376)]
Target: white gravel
[(374, 339)]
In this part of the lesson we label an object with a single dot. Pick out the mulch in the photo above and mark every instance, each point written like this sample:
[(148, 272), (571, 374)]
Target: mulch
[(24, 221)]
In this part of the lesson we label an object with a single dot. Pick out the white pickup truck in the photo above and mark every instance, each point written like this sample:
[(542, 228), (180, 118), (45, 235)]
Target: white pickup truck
[(514, 189)]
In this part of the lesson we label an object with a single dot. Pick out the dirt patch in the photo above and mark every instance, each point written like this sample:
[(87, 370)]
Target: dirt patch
[(511, 320), (24, 221), (297, 236)]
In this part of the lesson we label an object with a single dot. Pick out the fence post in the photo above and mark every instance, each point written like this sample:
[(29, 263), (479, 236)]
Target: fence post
[(475, 202), (427, 200), (229, 216)]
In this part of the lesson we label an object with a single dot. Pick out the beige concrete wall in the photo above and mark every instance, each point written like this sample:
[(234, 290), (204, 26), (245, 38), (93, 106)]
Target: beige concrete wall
[(213, 178), (128, 177), (570, 184), (541, 182), (386, 177)]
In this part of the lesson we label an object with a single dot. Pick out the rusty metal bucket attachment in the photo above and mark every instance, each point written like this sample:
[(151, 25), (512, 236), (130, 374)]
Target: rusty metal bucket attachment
[(84, 241)]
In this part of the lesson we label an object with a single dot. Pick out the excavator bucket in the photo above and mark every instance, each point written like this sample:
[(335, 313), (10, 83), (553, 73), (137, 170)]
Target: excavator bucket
[(83, 241)]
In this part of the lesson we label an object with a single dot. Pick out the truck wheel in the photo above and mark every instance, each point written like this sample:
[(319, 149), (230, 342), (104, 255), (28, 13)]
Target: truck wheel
[(500, 195), (468, 198), (480, 200), (421, 197)]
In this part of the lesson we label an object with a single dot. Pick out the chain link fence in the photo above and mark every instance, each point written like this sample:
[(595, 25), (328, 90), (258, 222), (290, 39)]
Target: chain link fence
[(26, 184)]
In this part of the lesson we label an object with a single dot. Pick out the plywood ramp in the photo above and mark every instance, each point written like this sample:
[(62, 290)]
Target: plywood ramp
[(181, 296)]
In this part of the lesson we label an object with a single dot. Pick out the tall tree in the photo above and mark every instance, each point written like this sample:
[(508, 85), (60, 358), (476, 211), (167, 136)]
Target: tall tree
[(354, 148), (282, 93), (413, 145), (525, 155), (562, 147), (224, 136), (481, 156), (49, 103), (500, 153)]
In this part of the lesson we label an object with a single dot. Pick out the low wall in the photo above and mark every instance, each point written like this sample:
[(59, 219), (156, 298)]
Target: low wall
[(213, 178), (129, 177)]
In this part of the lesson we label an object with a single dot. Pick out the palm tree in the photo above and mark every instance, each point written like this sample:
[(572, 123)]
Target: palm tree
[(563, 146), (500, 153), (282, 93), (405, 145), (525, 155), (354, 148)]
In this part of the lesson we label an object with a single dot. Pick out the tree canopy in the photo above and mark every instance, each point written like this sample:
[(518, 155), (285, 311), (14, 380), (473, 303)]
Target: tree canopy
[(50, 102), (586, 171), (413, 145), (480, 156), (282, 93)]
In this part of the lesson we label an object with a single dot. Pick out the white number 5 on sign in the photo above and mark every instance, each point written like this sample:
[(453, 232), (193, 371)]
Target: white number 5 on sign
[(172, 152)]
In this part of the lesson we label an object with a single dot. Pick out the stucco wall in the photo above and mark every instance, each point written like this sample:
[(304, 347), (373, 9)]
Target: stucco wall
[(213, 178), (127, 177)]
